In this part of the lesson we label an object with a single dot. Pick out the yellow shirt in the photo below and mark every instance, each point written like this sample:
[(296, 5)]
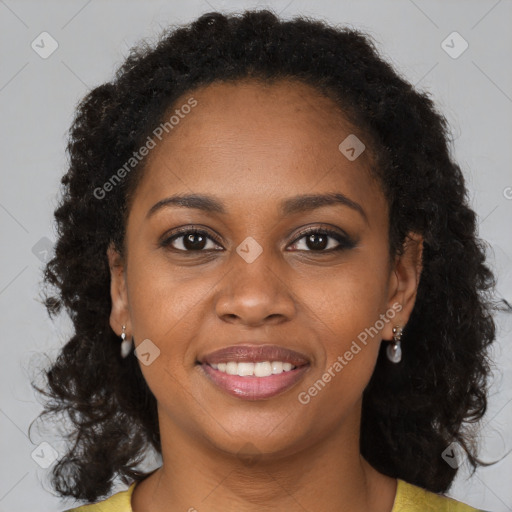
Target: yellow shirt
[(408, 498)]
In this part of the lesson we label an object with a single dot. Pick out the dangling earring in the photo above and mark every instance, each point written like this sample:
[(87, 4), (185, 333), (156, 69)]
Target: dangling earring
[(126, 345), (394, 349)]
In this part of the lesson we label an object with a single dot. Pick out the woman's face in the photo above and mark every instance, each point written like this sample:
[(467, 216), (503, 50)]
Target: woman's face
[(258, 155)]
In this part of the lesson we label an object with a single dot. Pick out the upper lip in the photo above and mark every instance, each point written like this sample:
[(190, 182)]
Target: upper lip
[(251, 353)]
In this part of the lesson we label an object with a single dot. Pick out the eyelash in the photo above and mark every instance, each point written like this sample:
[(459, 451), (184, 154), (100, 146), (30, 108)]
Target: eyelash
[(343, 241)]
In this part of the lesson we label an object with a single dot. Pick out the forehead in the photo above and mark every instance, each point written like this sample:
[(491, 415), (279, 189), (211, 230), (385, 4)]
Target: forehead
[(251, 141)]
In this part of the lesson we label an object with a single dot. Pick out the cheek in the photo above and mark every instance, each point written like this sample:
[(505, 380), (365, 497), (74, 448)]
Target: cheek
[(163, 297), (347, 298), (165, 308), (346, 307), (345, 321)]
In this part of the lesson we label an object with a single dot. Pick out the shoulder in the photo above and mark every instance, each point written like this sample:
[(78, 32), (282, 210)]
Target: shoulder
[(411, 498), (119, 502)]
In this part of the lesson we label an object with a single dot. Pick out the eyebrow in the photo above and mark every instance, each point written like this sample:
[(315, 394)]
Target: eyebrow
[(301, 203)]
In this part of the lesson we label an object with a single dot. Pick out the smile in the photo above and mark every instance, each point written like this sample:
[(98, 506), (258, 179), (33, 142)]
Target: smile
[(261, 369), (252, 387), (254, 372)]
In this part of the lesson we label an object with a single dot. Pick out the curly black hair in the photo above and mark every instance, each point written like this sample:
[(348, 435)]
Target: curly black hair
[(411, 411)]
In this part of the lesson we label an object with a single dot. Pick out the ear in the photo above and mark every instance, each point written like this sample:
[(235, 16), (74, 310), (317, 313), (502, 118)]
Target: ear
[(119, 314), (403, 282)]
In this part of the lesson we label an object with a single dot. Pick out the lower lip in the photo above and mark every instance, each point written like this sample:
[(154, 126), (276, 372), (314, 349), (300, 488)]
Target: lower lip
[(255, 388)]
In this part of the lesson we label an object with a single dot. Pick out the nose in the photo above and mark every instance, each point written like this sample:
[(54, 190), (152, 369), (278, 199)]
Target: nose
[(255, 294)]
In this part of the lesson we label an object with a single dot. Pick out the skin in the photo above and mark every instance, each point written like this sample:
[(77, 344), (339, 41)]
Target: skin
[(252, 146)]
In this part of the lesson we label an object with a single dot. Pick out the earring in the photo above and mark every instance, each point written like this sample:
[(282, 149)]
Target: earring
[(126, 345), (394, 349)]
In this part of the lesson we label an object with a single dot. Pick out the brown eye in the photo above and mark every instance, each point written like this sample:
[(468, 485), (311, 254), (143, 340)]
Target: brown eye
[(322, 240), (190, 240)]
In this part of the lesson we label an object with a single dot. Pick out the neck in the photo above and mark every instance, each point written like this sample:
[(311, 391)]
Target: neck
[(198, 477)]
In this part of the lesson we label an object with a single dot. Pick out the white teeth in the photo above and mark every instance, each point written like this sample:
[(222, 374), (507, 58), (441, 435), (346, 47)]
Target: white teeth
[(277, 367), (259, 369), (245, 369), (262, 369), (232, 368)]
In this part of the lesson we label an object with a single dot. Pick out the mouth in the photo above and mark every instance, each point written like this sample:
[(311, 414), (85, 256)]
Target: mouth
[(254, 372)]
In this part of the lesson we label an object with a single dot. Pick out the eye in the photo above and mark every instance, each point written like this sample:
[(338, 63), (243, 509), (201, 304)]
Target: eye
[(189, 240), (322, 240), (309, 240)]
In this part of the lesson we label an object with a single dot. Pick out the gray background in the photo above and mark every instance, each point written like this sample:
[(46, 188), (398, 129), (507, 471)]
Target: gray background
[(37, 99)]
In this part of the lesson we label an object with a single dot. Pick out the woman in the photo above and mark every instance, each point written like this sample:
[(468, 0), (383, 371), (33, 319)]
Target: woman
[(261, 237)]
